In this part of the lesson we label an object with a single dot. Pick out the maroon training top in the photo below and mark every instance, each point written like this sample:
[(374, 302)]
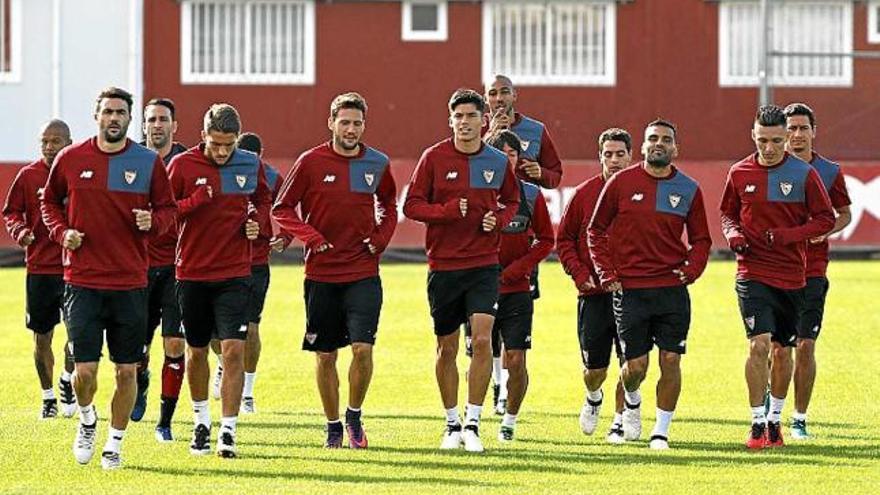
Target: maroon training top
[(22, 215), (442, 177), (649, 216), (787, 199), (94, 192)]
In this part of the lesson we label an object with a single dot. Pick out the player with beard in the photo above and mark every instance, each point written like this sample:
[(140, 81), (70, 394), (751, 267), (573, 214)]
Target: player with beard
[(44, 281), (104, 198), (597, 332), (341, 188), (772, 204), (801, 124), (465, 192), (160, 126), (635, 240)]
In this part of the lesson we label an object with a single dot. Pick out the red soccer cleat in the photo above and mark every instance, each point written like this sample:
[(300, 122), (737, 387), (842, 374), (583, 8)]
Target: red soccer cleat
[(357, 437), (757, 436), (774, 435)]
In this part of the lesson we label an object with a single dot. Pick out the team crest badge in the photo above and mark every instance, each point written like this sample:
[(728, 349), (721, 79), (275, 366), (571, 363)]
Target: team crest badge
[(368, 178), (524, 145), (130, 176), (311, 338), (674, 200), (750, 322), (488, 175), (241, 180), (785, 187)]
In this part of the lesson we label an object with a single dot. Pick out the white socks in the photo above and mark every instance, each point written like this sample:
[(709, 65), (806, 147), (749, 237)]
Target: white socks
[(114, 440), (472, 414), (661, 427), (202, 413), (48, 394), (249, 379), (229, 422), (594, 395), (632, 398), (758, 416), (87, 415), (509, 420), (776, 405), (452, 416)]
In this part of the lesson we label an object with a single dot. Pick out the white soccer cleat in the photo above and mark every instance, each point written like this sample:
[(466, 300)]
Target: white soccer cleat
[(501, 407), (451, 437), (659, 442), (248, 406), (471, 438), (111, 460), (632, 423), (84, 443), (215, 384), (226, 443), (589, 417)]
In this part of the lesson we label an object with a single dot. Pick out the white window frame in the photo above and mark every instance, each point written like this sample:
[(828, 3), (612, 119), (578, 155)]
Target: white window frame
[(13, 75), (408, 34), (727, 80), (873, 18), (307, 77), (609, 78)]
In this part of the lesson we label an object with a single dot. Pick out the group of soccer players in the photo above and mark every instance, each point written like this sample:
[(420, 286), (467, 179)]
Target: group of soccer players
[(124, 236)]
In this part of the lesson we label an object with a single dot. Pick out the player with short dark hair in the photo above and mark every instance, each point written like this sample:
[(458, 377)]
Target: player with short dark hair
[(596, 330), (526, 240), (801, 125), (159, 127), (772, 204), (223, 204), (104, 198), (260, 275), (635, 241), (44, 280), (341, 188), (465, 192)]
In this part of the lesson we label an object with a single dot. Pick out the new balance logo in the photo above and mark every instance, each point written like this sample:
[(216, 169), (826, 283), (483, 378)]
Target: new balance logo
[(638, 196), (329, 178), (750, 188), (174, 366), (201, 181), (451, 175), (86, 174)]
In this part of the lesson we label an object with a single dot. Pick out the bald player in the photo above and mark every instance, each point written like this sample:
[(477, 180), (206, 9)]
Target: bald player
[(44, 280)]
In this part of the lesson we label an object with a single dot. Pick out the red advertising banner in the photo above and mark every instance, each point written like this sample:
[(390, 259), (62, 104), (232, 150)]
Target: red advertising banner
[(862, 180)]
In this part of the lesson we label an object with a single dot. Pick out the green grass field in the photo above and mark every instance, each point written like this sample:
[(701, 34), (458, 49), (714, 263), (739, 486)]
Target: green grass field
[(280, 447)]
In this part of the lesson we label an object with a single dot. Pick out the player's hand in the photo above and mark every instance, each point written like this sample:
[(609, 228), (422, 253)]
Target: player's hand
[(27, 239), (739, 245), (819, 240), (72, 239), (143, 219), (370, 246), (532, 169), (462, 206), (613, 286), (251, 229), (324, 246), (489, 221), (681, 276), (276, 244), (499, 121), (587, 285)]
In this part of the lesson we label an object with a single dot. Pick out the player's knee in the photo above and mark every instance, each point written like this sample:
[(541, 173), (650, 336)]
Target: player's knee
[(596, 375), (806, 348), (86, 372), (43, 343), (361, 353), (481, 344), (126, 374), (326, 359), (174, 347), (637, 367), (670, 361), (198, 353), (759, 346), (781, 354), (515, 361), (253, 332), (447, 348)]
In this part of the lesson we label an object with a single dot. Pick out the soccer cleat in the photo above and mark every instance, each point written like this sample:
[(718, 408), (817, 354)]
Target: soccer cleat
[(496, 393), (248, 406), (471, 439), (140, 401), (84, 443), (357, 437), (451, 437), (111, 460), (334, 436), (632, 422), (757, 436), (658, 442), (615, 434), (68, 399), (774, 434), (50, 409), (201, 441), (501, 407), (215, 385), (799, 429), (163, 434), (226, 444), (505, 434), (589, 417)]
